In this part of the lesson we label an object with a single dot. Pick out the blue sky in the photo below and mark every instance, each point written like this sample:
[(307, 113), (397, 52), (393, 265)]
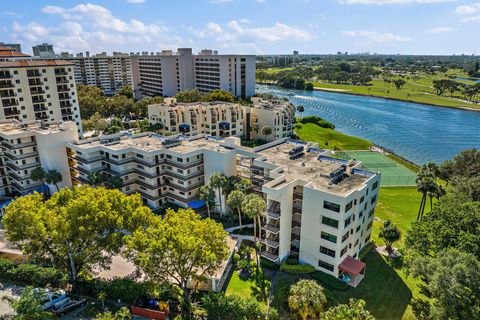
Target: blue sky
[(246, 26)]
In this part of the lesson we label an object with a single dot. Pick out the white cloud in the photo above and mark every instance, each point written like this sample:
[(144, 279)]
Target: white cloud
[(441, 30), (381, 2), (275, 33), (220, 1), (378, 37), (136, 1), (260, 1), (468, 9), (214, 27)]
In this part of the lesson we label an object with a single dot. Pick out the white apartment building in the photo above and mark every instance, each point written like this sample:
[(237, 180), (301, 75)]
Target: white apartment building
[(42, 90), (109, 73), (276, 114), (167, 73), (217, 119), (320, 209), (28, 145)]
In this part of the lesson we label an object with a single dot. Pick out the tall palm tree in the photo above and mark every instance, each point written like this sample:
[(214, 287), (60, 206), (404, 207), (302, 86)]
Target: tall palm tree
[(38, 174), (235, 199), (53, 177), (266, 131), (207, 194), (426, 184), (254, 206), (307, 299), (218, 182)]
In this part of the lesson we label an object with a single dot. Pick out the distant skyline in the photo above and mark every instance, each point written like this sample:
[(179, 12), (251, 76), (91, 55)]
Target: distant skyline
[(246, 26)]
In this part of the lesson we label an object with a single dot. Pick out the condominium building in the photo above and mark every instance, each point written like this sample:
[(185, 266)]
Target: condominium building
[(167, 73), (109, 73), (222, 119), (41, 90), (44, 51), (14, 46), (29, 145), (276, 114), (217, 119), (320, 209)]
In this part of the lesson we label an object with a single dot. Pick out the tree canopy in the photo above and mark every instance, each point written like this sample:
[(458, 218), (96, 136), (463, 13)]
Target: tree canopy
[(354, 310), (28, 306), (306, 299)]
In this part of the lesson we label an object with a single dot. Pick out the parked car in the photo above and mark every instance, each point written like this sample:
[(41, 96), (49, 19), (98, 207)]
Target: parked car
[(67, 305), (50, 298)]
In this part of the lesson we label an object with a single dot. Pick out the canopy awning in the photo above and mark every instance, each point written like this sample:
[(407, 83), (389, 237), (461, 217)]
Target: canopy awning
[(184, 126), (352, 266), (197, 204), (40, 189), (224, 124)]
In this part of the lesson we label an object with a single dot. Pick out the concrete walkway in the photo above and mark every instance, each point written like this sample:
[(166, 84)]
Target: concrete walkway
[(239, 227)]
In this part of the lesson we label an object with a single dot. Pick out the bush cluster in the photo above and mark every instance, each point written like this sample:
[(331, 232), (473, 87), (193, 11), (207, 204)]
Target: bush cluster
[(267, 264), (296, 268), (318, 121), (123, 289), (32, 274)]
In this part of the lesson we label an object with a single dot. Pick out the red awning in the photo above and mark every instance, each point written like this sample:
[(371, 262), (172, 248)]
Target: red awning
[(352, 266)]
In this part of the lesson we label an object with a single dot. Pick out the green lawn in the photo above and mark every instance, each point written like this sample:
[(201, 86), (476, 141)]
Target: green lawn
[(330, 139), (240, 287)]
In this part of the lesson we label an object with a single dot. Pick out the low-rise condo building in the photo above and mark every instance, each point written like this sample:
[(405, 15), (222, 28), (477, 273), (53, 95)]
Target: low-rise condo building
[(217, 119), (29, 145)]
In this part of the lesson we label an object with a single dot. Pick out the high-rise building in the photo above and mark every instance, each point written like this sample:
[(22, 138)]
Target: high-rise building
[(167, 73), (109, 73), (14, 46), (43, 50), (29, 145), (41, 90)]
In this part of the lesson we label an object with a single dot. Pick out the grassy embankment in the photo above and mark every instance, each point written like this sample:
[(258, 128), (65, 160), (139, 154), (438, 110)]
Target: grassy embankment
[(420, 90)]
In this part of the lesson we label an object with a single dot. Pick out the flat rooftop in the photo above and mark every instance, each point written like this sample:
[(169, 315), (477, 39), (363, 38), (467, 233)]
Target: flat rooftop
[(15, 127), (195, 105), (311, 169), (149, 142)]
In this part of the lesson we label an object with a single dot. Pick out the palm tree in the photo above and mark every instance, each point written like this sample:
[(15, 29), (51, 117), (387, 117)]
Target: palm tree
[(301, 110), (390, 234), (266, 131), (234, 200), (218, 182), (426, 184), (307, 299), (95, 178), (53, 177), (254, 206), (207, 194)]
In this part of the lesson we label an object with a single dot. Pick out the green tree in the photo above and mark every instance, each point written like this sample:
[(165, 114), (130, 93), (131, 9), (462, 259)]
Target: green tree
[(220, 95), (122, 314), (179, 249), (354, 310), (78, 229), (234, 200), (301, 110), (96, 123), (254, 207), (90, 100), (306, 299), (189, 95), (38, 174), (399, 83), (218, 181), (266, 131), (208, 195), (452, 279), (53, 177), (390, 234), (426, 184), (29, 305), (233, 307), (126, 91)]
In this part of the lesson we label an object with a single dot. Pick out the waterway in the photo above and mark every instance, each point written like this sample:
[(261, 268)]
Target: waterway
[(418, 132)]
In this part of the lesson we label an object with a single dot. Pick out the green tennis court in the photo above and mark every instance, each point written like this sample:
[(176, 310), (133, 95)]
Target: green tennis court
[(393, 173)]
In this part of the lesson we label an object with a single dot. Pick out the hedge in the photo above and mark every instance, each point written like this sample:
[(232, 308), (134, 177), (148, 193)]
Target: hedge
[(32, 274), (267, 264), (318, 121), (123, 289), (296, 268)]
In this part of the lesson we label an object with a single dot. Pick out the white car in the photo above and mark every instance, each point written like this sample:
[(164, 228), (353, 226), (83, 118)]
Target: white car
[(52, 297)]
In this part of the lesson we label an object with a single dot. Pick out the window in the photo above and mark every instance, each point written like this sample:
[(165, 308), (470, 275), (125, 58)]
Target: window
[(348, 206), (331, 206), (369, 225), (371, 213), (345, 237), (367, 238), (362, 199), (374, 185), (360, 214), (329, 237), (356, 242), (348, 221), (358, 229), (325, 265), (327, 251), (344, 250), (374, 198), (330, 222), (139, 156)]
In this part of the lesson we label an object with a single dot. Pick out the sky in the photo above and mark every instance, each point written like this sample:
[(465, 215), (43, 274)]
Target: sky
[(246, 26)]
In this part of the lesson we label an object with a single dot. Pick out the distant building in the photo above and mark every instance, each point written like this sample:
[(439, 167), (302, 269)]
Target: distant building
[(295, 53), (167, 73), (14, 46), (43, 50), (109, 73)]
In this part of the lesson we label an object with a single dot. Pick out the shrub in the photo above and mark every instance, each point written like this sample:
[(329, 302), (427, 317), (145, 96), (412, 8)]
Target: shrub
[(329, 281), (309, 86), (267, 264), (291, 260), (124, 289), (38, 276), (318, 121), (6, 265), (296, 268)]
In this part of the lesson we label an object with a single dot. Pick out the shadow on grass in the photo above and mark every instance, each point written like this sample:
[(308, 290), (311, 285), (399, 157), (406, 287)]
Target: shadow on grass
[(384, 291)]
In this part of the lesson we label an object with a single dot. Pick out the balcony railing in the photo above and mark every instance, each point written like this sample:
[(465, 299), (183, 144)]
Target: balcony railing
[(270, 256), (271, 228)]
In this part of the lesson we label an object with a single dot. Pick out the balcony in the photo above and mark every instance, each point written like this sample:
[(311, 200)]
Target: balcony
[(38, 99), (6, 85), (41, 116), (67, 112), (40, 108), (63, 88), (270, 256), (65, 104), (61, 72), (297, 195), (7, 94), (272, 242), (271, 228), (63, 96), (35, 91), (62, 80), (5, 76), (34, 82), (33, 74)]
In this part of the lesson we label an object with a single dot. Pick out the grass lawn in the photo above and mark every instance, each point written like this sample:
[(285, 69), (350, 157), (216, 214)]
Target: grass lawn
[(329, 139), (242, 288)]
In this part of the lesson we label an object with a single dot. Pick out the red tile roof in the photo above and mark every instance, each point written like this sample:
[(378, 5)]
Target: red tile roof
[(352, 266), (34, 63)]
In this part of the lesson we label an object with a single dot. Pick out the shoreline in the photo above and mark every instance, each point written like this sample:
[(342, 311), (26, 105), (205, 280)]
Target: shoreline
[(342, 91)]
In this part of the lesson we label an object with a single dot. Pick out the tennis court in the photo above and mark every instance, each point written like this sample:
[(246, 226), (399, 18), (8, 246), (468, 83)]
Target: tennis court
[(393, 173)]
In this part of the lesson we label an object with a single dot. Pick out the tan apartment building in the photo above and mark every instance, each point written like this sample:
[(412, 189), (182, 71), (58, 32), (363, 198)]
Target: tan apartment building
[(217, 119), (29, 145), (42, 90), (167, 73), (109, 73)]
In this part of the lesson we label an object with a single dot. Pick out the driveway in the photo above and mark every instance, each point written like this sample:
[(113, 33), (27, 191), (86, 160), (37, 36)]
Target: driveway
[(9, 291)]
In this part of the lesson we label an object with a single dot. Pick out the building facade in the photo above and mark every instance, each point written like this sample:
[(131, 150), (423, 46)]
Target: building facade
[(44, 51), (29, 145), (14, 46), (109, 73), (42, 90), (217, 119), (167, 73)]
